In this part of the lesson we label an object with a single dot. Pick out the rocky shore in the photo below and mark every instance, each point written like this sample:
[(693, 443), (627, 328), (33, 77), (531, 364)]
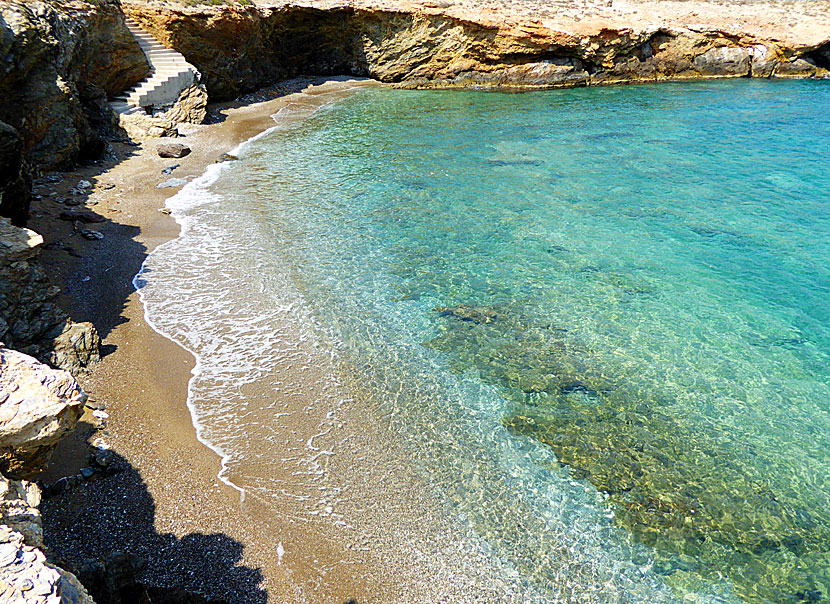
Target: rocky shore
[(132, 505)]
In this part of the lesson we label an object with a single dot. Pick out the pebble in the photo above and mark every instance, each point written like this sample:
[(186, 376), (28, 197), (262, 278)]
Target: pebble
[(87, 472), (165, 210), (100, 414), (84, 184), (71, 202), (170, 168)]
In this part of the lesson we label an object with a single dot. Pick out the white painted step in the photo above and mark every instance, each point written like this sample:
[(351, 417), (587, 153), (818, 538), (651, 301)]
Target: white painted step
[(170, 74)]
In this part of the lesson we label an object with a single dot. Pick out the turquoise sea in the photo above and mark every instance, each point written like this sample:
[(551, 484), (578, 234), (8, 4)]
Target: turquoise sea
[(599, 319)]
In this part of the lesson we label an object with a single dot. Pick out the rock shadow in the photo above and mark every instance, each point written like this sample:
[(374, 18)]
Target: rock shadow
[(102, 529), (68, 210)]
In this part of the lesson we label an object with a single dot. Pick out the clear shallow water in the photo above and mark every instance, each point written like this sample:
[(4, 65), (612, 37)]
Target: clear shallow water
[(598, 319)]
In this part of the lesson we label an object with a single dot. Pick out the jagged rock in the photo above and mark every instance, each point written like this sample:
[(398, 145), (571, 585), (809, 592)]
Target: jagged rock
[(724, 60), (55, 57), (19, 501), (76, 347), (173, 150), (29, 320), (39, 405), (25, 575), (454, 46), (191, 107), (140, 126)]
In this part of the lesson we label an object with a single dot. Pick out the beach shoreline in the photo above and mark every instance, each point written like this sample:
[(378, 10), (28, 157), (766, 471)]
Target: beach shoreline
[(387, 536), (143, 376)]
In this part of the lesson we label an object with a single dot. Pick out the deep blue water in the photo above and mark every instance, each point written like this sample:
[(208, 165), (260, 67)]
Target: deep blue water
[(599, 318)]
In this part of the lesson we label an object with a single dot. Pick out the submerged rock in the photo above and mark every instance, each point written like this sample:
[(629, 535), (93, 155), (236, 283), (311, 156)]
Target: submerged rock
[(685, 488)]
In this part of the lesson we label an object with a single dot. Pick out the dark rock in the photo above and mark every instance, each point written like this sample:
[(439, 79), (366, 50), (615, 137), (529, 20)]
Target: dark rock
[(174, 150), (14, 177), (87, 472), (95, 404), (89, 234), (169, 169), (29, 320), (71, 201), (226, 157), (82, 215), (57, 63)]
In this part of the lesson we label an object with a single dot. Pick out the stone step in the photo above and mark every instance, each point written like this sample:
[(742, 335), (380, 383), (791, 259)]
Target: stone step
[(170, 72)]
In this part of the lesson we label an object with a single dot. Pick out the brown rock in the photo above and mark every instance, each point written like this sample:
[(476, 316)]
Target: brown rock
[(56, 61), (173, 150), (29, 319)]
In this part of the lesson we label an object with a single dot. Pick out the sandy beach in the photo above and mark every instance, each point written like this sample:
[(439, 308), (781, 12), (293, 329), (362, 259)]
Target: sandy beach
[(170, 498), (391, 542)]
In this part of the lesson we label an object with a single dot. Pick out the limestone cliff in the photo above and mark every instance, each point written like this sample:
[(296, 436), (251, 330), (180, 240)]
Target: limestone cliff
[(241, 49)]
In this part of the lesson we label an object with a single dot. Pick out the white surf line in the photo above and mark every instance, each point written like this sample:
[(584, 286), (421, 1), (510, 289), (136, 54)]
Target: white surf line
[(208, 177)]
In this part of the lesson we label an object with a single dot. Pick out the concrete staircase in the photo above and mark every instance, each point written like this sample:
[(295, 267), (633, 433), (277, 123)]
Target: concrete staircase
[(169, 75)]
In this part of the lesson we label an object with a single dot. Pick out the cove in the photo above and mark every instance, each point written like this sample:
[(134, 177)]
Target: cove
[(596, 318)]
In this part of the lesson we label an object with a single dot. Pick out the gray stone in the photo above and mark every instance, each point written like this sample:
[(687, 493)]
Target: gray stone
[(723, 60)]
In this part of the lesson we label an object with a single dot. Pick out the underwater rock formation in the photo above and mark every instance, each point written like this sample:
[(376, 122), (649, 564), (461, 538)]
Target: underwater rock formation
[(688, 490)]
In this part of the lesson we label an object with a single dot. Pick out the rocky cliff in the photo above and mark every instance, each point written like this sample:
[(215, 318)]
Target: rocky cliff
[(245, 48), (38, 406), (61, 60), (30, 321)]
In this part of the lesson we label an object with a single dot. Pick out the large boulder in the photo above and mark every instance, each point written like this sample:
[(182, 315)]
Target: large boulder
[(38, 406), (30, 321)]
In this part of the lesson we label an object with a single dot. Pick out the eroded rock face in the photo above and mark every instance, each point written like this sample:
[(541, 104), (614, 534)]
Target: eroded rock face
[(56, 60), (247, 48), (38, 406), (25, 576), (29, 319)]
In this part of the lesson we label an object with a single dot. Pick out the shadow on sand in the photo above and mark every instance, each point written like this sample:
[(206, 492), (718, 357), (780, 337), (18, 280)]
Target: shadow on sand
[(103, 529)]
